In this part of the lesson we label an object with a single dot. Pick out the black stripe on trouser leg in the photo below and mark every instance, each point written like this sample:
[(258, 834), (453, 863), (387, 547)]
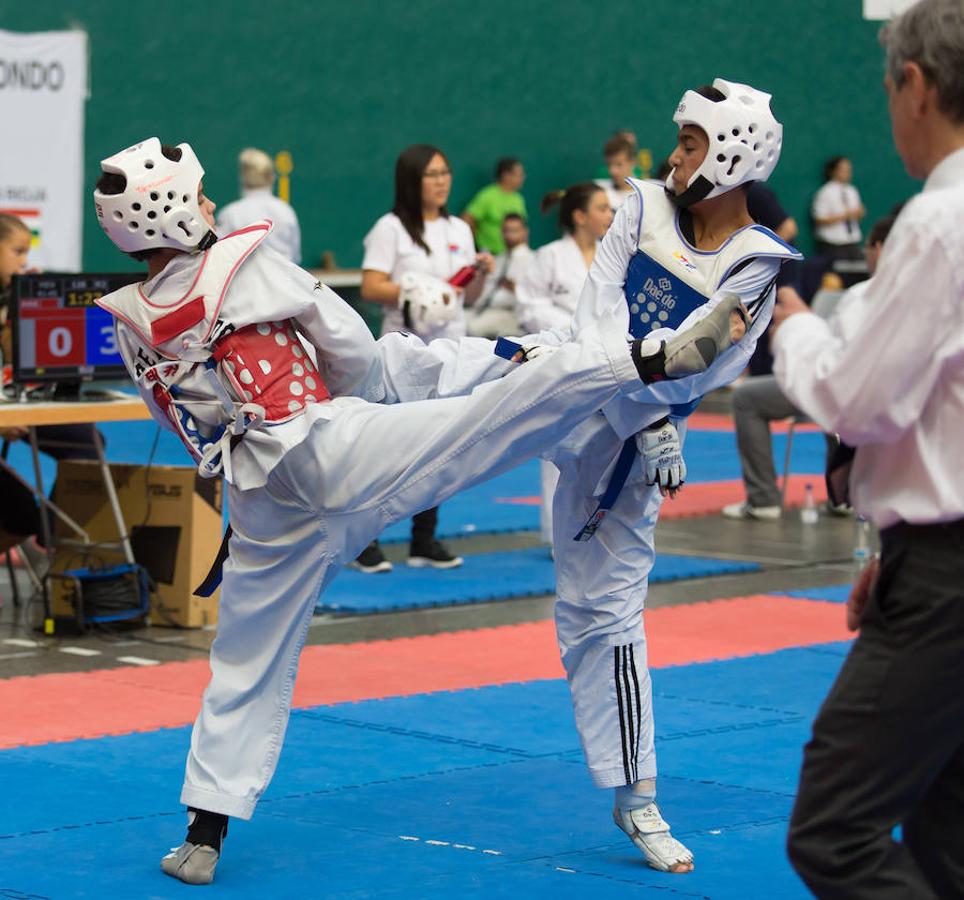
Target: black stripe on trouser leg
[(622, 717), (630, 762), (639, 714)]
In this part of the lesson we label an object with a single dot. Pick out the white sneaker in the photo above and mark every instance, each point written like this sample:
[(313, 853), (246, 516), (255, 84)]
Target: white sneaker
[(841, 510), (745, 511), (649, 831)]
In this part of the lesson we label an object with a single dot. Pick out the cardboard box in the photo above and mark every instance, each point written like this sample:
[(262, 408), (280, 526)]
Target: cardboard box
[(174, 519)]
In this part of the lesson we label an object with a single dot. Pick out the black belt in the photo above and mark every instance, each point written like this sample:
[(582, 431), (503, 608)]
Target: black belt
[(930, 531)]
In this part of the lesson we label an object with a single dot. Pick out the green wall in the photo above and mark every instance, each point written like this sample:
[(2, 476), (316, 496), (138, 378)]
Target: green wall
[(344, 86)]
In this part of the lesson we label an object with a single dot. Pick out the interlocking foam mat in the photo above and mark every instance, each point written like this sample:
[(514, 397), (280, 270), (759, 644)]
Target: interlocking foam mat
[(836, 593), (485, 576), (475, 793), (121, 699)]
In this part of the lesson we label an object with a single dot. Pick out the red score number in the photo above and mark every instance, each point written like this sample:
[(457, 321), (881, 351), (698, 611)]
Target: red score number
[(60, 341)]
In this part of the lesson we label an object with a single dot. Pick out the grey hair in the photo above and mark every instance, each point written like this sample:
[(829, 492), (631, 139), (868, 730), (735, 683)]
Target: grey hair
[(257, 168), (931, 34)]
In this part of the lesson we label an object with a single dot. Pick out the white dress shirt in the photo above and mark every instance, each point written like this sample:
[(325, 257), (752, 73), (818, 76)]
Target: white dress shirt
[(259, 204), (890, 379)]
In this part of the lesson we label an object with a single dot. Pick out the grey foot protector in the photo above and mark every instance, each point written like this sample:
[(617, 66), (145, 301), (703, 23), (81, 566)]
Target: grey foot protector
[(694, 350), (191, 863)]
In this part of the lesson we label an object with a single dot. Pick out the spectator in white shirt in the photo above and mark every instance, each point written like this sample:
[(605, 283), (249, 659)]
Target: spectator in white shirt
[(549, 292), (419, 237), (257, 202), (888, 743), (837, 211), (495, 312)]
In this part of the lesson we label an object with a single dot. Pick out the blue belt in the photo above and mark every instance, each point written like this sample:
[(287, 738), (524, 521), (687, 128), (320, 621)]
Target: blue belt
[(621, 472), (507, 349)]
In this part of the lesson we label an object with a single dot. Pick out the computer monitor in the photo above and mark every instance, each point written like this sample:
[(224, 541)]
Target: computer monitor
[(59, 332)]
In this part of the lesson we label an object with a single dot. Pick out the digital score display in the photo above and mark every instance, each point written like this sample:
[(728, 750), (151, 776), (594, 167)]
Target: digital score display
[(59, 332)]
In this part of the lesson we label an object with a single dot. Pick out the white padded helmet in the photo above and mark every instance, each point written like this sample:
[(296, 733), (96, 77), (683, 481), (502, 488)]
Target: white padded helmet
[(745, 140), (158, 207)]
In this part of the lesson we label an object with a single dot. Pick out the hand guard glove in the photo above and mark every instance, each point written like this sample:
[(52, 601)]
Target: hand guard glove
[(694, 350), (517, 353), (662, 456), (426, 302)]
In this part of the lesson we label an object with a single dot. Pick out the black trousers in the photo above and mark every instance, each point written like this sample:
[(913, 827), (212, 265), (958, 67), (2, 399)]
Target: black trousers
[(888, 743)]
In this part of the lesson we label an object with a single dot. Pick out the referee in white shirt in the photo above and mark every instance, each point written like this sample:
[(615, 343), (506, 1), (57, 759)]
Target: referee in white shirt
[(888, 744)]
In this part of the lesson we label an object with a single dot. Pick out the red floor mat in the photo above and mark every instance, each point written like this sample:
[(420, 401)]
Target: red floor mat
[(724, 422), (711, 496), (44, 708)]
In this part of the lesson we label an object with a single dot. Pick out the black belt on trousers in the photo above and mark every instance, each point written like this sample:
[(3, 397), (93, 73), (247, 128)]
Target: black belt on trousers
[(930, 530)]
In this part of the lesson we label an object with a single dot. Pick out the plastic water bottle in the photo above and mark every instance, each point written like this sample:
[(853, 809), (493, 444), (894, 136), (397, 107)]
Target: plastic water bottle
[(861, 545), (808, 513)]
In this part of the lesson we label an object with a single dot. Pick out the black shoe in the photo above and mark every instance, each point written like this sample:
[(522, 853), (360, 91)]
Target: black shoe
[(371, 560), (432, 554)]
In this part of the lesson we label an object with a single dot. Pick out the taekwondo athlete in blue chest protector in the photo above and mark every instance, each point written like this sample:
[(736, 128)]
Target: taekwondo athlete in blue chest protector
[(672, 254)]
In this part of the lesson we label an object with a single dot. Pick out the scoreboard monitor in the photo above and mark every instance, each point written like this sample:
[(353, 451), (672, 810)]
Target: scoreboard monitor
[(59, 332)]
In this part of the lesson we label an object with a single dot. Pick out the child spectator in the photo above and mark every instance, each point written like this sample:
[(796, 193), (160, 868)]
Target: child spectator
[(495, 312), (620, 155)]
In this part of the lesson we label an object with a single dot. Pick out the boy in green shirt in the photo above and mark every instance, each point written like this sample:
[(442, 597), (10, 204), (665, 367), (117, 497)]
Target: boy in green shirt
[(493, 203)]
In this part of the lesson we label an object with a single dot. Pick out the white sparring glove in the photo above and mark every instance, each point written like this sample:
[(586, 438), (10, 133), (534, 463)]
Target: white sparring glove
[(515, 352), (662, 455), (426, 302)]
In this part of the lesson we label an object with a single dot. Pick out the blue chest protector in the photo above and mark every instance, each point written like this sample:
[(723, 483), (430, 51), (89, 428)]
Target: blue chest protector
[(659, 299), (656, 299)]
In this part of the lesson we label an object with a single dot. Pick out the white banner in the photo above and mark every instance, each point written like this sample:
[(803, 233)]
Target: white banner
[(43, 88), (885, 9)]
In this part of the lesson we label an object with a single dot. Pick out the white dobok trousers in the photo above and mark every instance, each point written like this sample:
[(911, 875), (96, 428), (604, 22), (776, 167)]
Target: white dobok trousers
[(601, 587), (354, 474)]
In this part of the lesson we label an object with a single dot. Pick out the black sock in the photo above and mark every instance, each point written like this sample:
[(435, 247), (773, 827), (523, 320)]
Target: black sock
[(207, 828)]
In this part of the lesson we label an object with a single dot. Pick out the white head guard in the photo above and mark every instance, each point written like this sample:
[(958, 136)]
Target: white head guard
[(426, 302), (745, 140), (158, 207)]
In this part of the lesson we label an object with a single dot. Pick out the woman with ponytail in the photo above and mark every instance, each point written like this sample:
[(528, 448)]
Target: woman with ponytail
[(548, 293)]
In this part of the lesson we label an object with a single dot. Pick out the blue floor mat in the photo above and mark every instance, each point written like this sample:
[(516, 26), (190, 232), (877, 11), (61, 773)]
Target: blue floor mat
[(438, 795), (484, 576), (836, 593), (484, 509)]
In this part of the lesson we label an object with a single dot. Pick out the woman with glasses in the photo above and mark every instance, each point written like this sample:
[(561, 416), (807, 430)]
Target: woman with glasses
[(419, 246)]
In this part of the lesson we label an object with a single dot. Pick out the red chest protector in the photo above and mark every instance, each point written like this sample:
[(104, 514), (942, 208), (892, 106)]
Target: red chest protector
[(266, 364)]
